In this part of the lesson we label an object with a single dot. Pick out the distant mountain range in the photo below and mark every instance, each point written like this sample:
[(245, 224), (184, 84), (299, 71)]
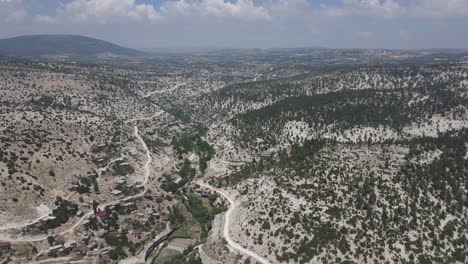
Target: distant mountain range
[(56, 45)]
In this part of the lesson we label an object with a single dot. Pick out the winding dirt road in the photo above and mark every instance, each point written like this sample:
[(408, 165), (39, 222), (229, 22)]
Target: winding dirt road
[(101, 207), (227, 219), (45, 215)]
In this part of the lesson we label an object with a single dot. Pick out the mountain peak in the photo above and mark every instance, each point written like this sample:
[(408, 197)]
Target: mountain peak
[(72, 45)]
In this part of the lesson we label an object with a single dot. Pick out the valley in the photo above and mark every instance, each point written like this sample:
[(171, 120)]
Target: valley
[(235, 157)]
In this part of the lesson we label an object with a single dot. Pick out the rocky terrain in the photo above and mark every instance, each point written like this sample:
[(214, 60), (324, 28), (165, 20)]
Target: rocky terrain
[(235, 157), (366, 167)]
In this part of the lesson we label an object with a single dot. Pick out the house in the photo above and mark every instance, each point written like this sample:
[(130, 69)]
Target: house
[(266, 154), (104, 258), (92, 245), (102, 214), (149, 196), (86, 223), (69, 245), (138, 187), (70, 208), (136, 233), (72, 187), (129, 204), (79, 249), (234, 166), (170, 195), (158, 195), (152, 212), (219, 178), (173, 124), (164, 219), (93, 253), (106, 250), (205, 193), (121, 181), (101, 233), (56, 248), (4, 246), (116, 192)]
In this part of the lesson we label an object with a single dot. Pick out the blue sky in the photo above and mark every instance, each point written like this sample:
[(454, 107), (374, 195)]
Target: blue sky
[(246, 23)]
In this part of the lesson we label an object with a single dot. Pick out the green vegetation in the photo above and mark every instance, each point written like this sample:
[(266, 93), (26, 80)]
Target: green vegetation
[(201, 214), (179, 114), (65, 209), (121, 169), (324, 167), (179, 233), (198, 211), (186, 172), (195, 142), (186, 258), (175, 218), (346, 109)]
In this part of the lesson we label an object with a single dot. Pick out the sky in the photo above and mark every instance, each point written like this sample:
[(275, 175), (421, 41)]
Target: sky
[(398, 24)]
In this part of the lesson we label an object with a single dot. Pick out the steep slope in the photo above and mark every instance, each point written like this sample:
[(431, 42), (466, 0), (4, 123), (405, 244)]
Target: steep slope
[(330, 202), (239, 98), (366, 167)]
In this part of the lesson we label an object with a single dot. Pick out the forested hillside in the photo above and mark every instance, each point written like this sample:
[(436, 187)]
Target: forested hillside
[(363, 165), (242, 97)]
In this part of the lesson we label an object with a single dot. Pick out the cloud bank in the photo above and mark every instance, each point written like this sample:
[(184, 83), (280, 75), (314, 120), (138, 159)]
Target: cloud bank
[(259, 22), (123, 11)]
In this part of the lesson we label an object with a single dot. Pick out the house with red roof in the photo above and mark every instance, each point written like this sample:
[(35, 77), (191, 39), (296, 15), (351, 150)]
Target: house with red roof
[(102, 214), (5, 246)]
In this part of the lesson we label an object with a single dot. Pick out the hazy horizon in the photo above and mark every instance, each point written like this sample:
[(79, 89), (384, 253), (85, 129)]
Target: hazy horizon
[(153, 24)]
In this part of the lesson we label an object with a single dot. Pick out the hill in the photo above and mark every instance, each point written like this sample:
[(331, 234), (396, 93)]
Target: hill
[(362, 165), (41, 45)]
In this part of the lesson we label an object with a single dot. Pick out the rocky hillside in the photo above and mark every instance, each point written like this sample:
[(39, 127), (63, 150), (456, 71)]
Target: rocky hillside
[(367, 165)]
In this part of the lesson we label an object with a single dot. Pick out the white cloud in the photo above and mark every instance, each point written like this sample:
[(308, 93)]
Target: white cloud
[(115, 11), (242, 9), (398, 8), (292, 8), (45, 19), (16, 16), (104, 12), (364, 34), (125, 11), (247, 22), (440, 8), (181, 7), (12, 11), (377, 8)]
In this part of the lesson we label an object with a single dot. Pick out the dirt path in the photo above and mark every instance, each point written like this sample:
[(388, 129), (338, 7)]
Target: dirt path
[(227, 219), (45, 213), (101, 207), (158, 114), (163, 91)]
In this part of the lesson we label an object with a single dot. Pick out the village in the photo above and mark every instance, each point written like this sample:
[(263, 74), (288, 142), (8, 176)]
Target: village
[(120, 230), (107, 215)]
